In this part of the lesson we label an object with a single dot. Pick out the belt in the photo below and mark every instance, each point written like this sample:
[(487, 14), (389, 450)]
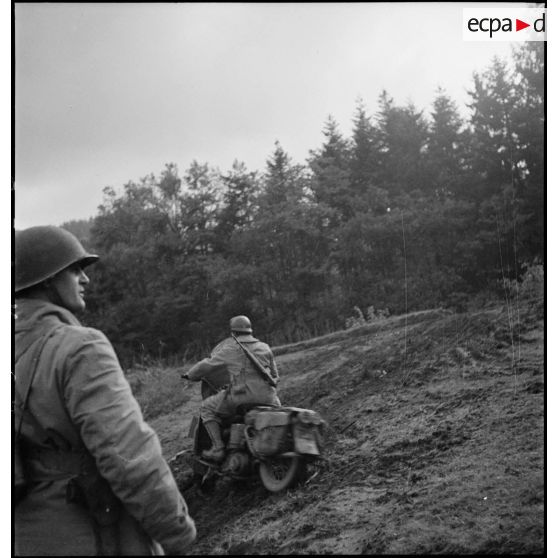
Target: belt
[(42, 464)]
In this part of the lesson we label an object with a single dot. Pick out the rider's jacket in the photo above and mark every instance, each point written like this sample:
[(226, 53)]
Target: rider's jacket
[(80, 404), (228, 364)]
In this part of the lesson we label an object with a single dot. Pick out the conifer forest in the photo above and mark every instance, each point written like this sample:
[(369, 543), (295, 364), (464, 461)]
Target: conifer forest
[(415, 209)]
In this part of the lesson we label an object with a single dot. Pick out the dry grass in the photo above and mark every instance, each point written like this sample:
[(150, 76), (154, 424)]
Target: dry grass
[(159, 390)]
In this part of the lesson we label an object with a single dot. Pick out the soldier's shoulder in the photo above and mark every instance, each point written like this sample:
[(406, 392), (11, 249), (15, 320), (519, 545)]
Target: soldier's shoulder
[(262, 345), (224, 344), (79, 335)]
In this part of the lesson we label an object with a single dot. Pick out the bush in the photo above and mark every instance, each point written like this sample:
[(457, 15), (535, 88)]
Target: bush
[(372, 315), (532, 283), (158, 390), (530, 286)]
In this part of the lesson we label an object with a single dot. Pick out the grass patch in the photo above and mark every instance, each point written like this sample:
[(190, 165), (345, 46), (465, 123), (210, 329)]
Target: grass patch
[(158, 390)]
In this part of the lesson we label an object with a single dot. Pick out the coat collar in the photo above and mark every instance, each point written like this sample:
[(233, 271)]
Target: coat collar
[(246, 338), (30, 311)]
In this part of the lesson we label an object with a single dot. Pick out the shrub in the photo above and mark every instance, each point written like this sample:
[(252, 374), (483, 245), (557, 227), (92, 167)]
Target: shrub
[(372, 315), (530, 286), (158, 390)]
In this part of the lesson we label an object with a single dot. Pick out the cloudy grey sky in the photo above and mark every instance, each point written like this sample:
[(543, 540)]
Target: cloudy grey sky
[(106, 93)]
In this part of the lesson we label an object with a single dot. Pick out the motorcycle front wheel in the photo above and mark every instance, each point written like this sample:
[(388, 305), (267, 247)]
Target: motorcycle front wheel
[(278, 473)]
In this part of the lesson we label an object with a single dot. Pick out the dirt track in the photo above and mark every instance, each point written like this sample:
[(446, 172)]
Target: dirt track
[(435, 444)]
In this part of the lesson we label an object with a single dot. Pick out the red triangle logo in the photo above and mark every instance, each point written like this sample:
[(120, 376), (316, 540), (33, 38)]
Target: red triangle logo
[(519, 25)]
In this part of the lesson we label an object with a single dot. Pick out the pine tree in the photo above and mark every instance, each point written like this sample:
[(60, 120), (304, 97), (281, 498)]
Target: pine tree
[(330, 166), (445, 153), (402, 138), (530, 71), (494, 148), (283, 182), (199, 207), (367, 196), (238, 208)]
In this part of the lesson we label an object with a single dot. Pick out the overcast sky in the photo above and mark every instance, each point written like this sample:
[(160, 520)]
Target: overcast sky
[(106, 93)]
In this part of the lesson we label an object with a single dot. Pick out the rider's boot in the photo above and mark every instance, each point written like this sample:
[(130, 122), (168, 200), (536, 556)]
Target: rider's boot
[(217, 451)]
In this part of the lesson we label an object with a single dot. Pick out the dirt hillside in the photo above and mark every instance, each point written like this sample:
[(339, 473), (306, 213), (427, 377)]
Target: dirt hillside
[(435, 443)]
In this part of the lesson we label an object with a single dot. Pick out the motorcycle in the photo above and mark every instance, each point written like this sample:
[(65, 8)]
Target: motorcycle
[(277, 443)]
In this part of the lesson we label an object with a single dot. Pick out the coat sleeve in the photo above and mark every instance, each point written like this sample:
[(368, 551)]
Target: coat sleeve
[(206, 368), (126, 450), (216, 367)]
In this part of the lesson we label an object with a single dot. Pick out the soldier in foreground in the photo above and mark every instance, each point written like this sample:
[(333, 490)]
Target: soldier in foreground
[(230, 367), (89, 472)]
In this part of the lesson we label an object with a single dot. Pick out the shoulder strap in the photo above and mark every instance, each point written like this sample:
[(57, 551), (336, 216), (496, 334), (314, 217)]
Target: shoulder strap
[(35, 366), (257, 363)]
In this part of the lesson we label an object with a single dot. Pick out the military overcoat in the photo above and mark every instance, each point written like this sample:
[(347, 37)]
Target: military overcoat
[(84, 404)]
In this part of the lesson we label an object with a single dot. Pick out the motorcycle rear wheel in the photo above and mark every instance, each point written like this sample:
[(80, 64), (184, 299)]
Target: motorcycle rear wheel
[(278, 473)]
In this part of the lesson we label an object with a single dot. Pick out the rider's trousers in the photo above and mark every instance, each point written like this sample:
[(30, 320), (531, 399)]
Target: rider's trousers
[(224, 404)]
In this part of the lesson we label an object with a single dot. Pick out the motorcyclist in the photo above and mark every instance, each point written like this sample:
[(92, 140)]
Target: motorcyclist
[(245, 384), (95, 479)]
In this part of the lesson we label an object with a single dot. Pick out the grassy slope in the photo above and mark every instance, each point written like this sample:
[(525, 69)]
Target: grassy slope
[(435, 443)]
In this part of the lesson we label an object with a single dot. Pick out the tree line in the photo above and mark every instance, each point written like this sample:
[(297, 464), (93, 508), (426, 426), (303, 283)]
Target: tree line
[(412, 211)]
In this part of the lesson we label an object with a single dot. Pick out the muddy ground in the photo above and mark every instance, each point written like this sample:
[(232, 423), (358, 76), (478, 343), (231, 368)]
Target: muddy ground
[(435, 443)]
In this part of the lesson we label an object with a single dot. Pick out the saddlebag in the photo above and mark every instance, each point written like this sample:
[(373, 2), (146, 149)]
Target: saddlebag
[(271, 432)]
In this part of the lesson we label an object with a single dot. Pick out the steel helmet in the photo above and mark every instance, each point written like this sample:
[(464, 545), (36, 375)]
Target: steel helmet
[(241, 324), (41, 252)]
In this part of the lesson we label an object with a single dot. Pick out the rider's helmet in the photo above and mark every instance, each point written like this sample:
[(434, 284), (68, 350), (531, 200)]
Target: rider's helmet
[(41, 252), (241, 324)]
